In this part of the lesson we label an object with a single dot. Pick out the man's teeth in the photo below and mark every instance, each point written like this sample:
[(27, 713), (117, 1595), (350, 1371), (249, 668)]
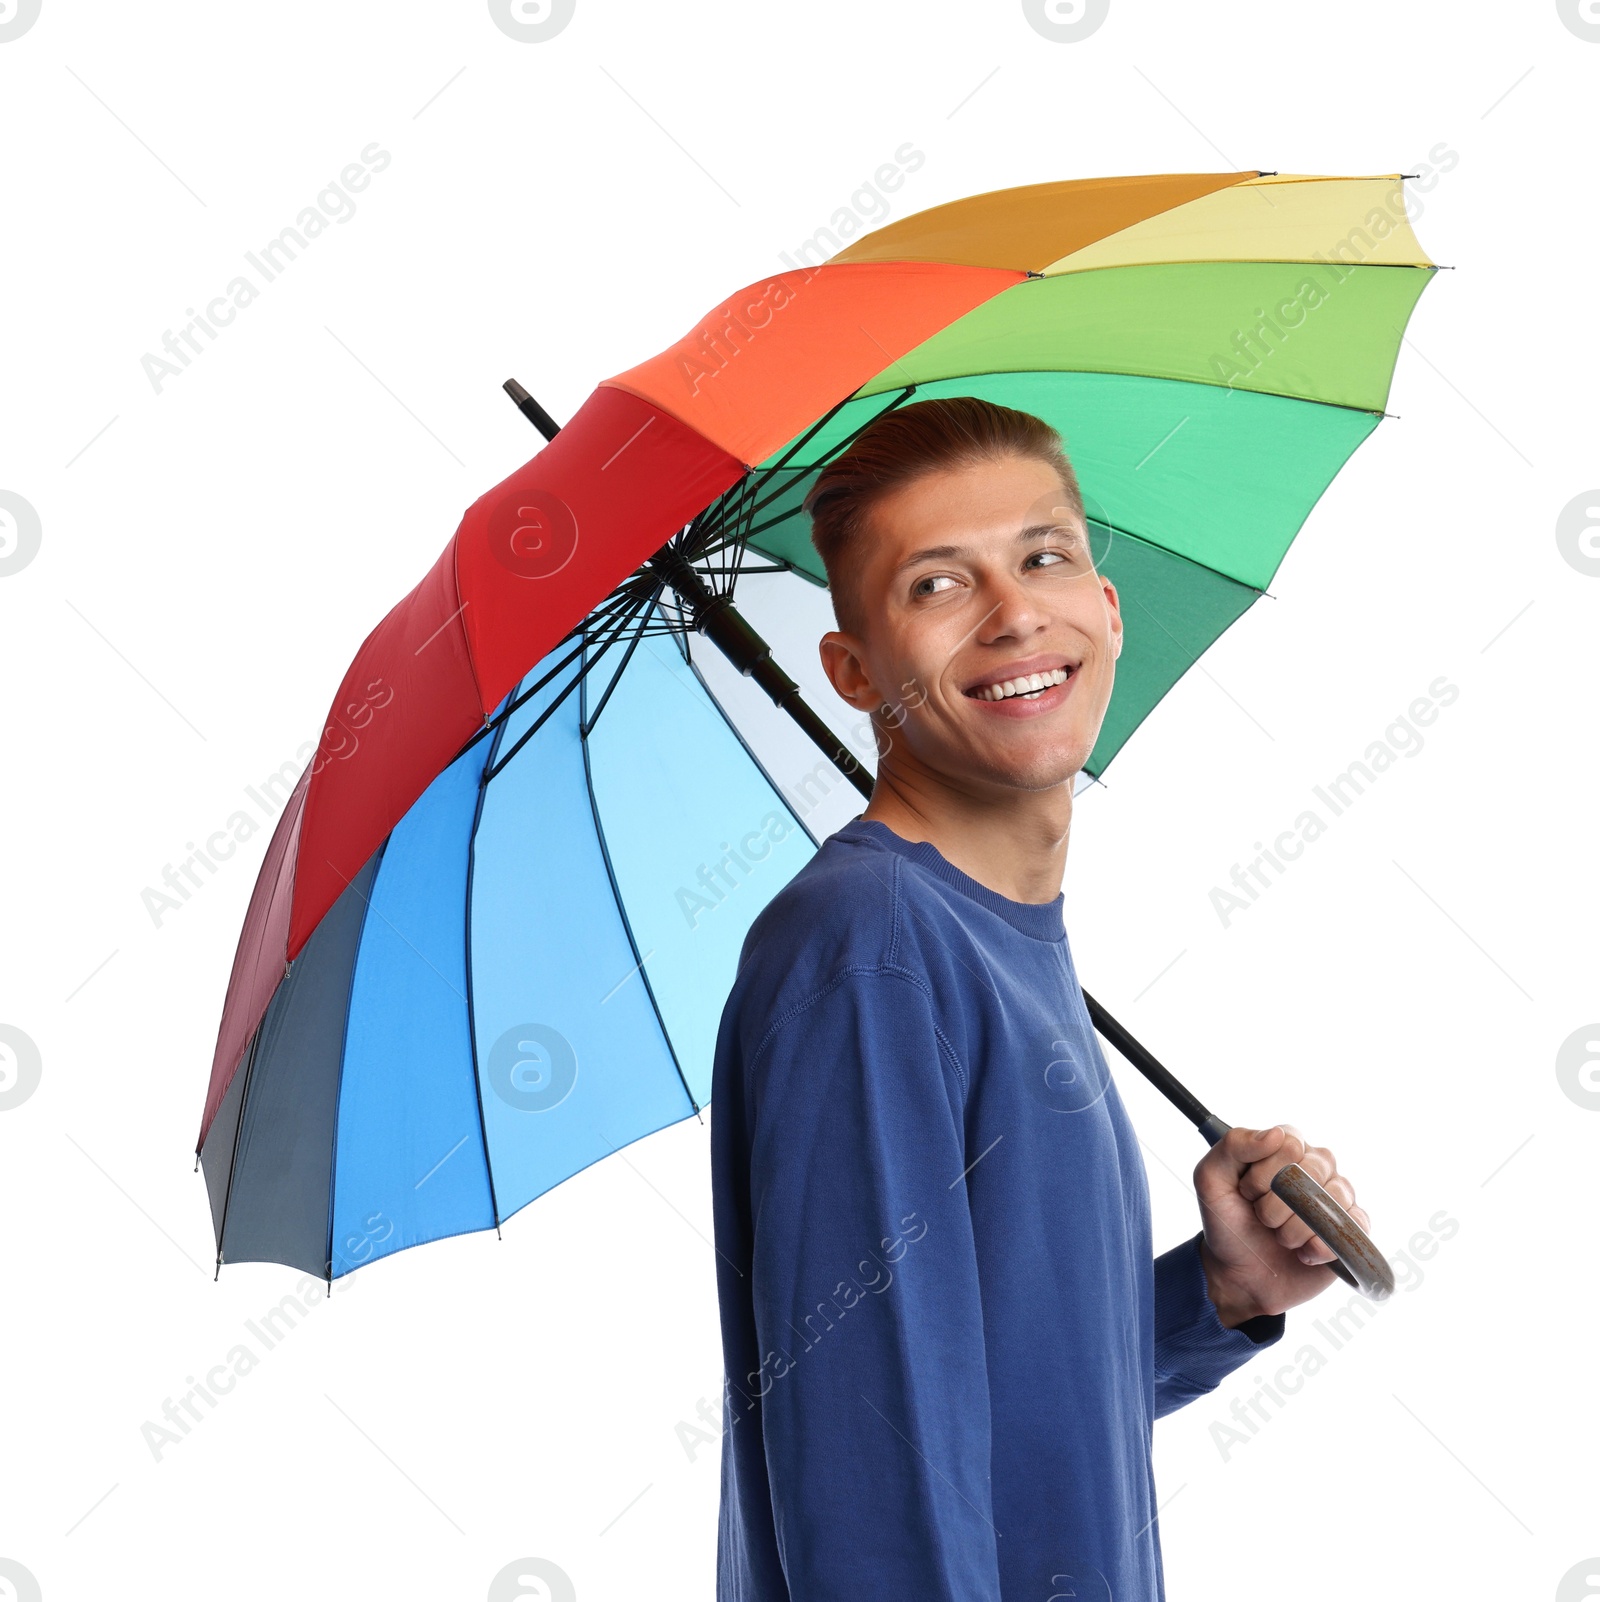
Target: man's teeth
[(1030, 684)]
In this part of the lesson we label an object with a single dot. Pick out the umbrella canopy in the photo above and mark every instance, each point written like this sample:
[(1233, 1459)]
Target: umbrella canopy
[(500, 913)]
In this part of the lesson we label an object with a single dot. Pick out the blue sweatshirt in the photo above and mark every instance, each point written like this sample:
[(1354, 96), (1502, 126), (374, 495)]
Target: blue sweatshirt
[(945, 1340)]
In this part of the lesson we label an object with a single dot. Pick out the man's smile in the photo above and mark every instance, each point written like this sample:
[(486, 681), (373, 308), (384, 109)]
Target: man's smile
[(1034, 685)]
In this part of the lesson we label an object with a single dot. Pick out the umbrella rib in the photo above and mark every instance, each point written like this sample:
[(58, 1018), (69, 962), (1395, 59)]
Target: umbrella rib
[(533, 728), (616, 891), (566, 690), (811, 433), (741, 548), (763, 473), (500, 719), (607, 611), (779, 567), (760, 767), (344, 1049), (730, 507), (586, 727), (759, 475), (472, 1025), (808, 467), (233, 1156), (1166, 550)]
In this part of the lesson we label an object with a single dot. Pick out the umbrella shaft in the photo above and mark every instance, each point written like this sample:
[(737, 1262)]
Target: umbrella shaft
[(716, 617), (1178, 1094)]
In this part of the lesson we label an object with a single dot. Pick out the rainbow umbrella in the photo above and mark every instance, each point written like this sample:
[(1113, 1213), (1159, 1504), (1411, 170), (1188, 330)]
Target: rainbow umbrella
[(478, 956)]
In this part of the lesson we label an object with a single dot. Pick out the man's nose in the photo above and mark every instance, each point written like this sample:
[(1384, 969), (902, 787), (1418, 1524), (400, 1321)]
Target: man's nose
[(1009, 610)]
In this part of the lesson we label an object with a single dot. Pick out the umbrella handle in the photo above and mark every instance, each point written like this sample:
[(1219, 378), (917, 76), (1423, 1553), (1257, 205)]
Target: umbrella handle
[(1357, 1261)]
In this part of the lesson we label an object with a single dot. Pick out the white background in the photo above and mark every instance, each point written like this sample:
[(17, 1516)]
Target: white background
[(212, 556)]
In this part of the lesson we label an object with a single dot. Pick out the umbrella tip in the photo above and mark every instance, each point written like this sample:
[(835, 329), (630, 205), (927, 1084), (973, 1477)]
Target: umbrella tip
[(531, 409)]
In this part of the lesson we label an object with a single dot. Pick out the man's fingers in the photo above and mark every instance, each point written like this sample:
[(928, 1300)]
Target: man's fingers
[(1256, 1181), (1274, 1212), (1319, 1163), (1314, 1251), (1224, 1166), (1245, 1162), (1293, 1233)]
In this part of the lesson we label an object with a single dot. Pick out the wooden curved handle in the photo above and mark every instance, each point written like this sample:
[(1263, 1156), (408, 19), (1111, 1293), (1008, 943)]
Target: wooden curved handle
[(1356, 1260)]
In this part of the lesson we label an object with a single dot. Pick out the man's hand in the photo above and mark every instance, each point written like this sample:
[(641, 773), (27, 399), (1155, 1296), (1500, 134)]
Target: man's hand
[(1259, 1257)]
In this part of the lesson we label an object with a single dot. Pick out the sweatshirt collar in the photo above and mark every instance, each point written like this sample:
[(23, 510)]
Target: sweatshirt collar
[(1039, 920)]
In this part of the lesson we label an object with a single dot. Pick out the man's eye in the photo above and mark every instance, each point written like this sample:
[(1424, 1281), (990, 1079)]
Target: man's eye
[(928, 585), (1050, 558)]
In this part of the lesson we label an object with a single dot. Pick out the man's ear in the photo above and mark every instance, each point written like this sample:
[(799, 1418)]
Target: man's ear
[(843, 660), (1115, 610)]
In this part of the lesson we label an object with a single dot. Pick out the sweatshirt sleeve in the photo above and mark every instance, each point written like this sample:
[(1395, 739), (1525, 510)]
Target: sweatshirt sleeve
[(873, 1386), (1194, 1350)]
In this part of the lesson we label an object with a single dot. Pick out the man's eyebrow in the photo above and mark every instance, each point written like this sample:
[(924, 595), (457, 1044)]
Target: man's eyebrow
[(944, 553)]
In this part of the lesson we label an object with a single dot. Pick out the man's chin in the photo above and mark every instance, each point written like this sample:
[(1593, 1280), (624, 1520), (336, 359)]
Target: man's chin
[(1028, 771)]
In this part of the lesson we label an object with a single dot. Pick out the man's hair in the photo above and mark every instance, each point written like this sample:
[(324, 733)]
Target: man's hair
[(901, 445)]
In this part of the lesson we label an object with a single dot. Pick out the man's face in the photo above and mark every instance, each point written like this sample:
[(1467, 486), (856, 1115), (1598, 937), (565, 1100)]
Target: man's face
[(970, 578)]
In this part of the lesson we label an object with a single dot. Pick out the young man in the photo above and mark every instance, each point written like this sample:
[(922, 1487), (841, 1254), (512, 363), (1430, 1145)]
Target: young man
[(944, 1335)]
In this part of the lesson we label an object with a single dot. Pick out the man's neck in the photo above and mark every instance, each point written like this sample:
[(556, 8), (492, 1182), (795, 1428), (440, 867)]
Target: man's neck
[(1013, 842)]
